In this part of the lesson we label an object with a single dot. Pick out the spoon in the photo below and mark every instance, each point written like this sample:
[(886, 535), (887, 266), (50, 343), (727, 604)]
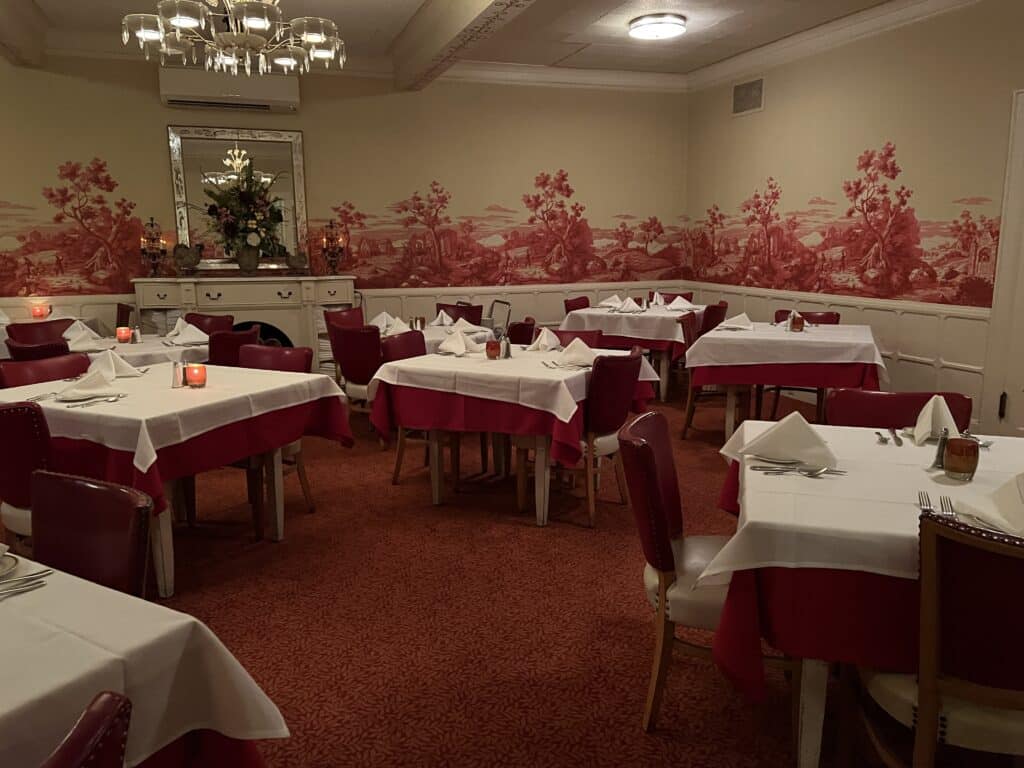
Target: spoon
[(112, 399), (882, 439), (808, 472)]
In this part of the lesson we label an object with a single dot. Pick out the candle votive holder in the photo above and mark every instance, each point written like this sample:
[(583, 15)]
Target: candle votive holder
[(123, 334), (195, 375), (493, 349), (40, 311), (960, 460)]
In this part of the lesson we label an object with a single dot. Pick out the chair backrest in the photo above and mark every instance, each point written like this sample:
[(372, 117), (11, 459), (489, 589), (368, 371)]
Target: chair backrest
[(224, 345), (591, 338), (645, 446), (41, 332), (23, 425), (41, 351), (124, 314), (473, 313), (611, 392), (357, 351), (348, 318), (818, 318), (95, 530), (579, 302), (864, 408), (99, 738), (402, 346), (292, 359), (210, 324), (19, 373), (714, 315), (670, 297), (691, 331), (500, 313), (521, 331)]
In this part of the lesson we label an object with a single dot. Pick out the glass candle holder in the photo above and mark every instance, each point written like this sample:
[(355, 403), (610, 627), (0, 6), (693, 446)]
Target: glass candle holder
[(195, 375), (493, 349), (40, 310), (960, 459), (797, 324), (124, 334)]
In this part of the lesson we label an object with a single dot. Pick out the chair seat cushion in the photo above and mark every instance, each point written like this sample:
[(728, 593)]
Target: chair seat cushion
[(15, 519), (604, 445), (691, 607), (356, 391), (967, 725)]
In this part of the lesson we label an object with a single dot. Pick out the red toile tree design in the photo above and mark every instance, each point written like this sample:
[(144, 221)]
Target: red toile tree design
[(562, 225), (880, 208), (82, 201), (648, 232), (760, 211), (978, 240), (349, 218), (429, 211), (623, 235), (712, 223)]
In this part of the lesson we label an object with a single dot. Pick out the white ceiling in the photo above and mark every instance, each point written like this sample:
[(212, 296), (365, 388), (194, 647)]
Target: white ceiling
[(587, 34)]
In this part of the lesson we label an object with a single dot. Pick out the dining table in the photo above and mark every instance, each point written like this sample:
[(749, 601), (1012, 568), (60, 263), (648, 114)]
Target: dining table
[(655, 328), (433, 335), (150, 435), (529, 394), (768, 354), (155, 349), (90, 322), (824, 569), (193, 703)]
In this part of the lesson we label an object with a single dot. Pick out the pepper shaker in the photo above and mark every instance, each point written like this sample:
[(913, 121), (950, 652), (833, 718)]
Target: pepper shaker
[(177, 375), (940, 453)]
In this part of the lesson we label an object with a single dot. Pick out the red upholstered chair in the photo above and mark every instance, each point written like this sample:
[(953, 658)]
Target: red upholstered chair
[(210, 324), (402, 346), (124, 315), (968, 692), (885, 410), (670, 297), (94, 530), (347, 318), (357, 351), (23, 425), (714, 316), (99, 738), (577, 302), (17, 374), (522, 331), (591, 338), (41, 332), (40, 351), (292, 359), (473, 313), (224, 345), (816, 318)]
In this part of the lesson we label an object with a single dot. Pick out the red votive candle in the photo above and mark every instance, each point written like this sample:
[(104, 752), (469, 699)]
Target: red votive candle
[(124, 333), (40, 310), (493, 349), (195, 375)]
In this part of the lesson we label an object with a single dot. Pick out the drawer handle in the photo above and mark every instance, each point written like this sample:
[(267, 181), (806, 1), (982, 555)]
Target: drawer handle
[(161, 296), (212, 297), (282, 295), (332, 292)]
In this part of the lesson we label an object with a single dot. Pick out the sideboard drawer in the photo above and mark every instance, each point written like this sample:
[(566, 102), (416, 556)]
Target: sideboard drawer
[(254, 293), (168, 295), (334, 292)]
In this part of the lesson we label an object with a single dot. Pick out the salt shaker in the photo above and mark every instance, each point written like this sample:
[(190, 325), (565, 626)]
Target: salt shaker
[(506, 348), (177, 375), (940, 452)]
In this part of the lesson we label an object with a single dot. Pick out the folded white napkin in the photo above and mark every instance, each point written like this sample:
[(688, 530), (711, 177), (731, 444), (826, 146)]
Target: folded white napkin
[(83, 342), (78, 328), (741, 322), (462, 324), (933, 417), (382, 321), (612, 301), (657, 300), (545, 341), (680, 303), (191, 335), (179, 326), (629, 305), (443, 318), (577, 353), (398, 325), (93, 384), (459, 344), (4, 320), (1004, 508), (791, 438), (113, 366)]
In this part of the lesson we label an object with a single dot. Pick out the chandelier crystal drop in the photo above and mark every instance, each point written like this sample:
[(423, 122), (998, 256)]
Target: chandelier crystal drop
[(234, 36)]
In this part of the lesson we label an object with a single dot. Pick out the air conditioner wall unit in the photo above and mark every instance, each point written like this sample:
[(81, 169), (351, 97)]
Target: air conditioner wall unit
[(198, 89)]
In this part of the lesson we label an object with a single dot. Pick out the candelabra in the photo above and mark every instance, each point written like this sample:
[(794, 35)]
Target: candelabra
[(333, 242), (152, 246)]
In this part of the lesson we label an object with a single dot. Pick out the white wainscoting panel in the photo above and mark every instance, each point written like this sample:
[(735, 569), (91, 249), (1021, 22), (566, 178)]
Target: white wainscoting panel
[(101, 307)]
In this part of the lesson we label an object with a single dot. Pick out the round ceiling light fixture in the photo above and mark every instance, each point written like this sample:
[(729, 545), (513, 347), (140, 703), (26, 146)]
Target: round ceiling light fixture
[(657, 26)]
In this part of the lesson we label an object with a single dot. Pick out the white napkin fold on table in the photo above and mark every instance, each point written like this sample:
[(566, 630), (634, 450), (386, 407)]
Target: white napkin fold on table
[(382, 320), (78, 328), (462, 324), (545, 341), (113, 366), (4, 320), (1004, 508), (577, 353), (657, 300), (933, 417), (83, 342), (791, 438), (94, 384), (179, 326), (629, 305), (680, 303), (398, 325), (191, 335), (459, 344), (612, 301), (443, 318), (740, 322)]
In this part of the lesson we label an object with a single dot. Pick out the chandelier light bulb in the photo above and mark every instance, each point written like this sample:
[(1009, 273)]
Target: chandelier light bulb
[(657, 26), (257, 22), (148, 35), (313, 38)]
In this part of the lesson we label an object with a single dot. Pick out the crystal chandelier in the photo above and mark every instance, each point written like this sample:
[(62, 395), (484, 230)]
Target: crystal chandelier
[(236, 160), (236, 36)]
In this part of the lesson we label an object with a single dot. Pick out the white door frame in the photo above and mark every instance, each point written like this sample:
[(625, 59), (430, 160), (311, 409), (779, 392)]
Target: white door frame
[(1007, 302)]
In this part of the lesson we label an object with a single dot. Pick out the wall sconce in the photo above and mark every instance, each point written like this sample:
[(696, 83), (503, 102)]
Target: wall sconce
[(333, 242), (153, 247)]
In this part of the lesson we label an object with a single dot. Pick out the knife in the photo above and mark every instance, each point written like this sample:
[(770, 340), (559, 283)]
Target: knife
[(896, 438)]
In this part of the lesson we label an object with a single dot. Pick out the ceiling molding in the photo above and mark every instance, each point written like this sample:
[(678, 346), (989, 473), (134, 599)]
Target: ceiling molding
[(563, 77), (873, 21), (22, 30)]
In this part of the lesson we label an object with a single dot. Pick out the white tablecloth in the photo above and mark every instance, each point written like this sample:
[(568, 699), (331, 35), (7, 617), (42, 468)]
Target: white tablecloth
[(64, 643), (656, 324), (866, 520), (154, 415), (433, 335), (769, 343), (152, 351), (522, 379)]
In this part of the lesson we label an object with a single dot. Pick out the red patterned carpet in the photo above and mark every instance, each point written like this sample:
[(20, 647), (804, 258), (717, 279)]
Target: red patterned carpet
[(391, 632)]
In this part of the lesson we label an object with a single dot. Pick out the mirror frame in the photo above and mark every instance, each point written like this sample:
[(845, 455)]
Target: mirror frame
[(175, 133)]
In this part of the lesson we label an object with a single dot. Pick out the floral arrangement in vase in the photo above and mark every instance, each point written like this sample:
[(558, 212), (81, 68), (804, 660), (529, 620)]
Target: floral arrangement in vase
[(243, 213)]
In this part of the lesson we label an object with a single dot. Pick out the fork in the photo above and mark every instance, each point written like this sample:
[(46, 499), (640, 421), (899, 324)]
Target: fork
[(37, 398), (924, 502), (946, 504)]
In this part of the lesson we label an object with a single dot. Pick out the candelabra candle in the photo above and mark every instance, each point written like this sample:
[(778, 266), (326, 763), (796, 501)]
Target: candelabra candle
[(195, 375), (152, 246), (40, 310), (124, 334)]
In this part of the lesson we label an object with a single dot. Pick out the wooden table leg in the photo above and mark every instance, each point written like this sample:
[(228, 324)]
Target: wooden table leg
[(161, 542), (813, 691), (501, 446), (436, 469), (730, 410), (542, 478), (664, 372), (274, 469)]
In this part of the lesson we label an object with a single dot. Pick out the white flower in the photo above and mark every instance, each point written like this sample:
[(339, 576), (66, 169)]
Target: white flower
[(253, 239)]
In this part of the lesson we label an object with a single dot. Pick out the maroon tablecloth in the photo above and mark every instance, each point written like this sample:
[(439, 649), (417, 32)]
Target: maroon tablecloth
[(814, 375)]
